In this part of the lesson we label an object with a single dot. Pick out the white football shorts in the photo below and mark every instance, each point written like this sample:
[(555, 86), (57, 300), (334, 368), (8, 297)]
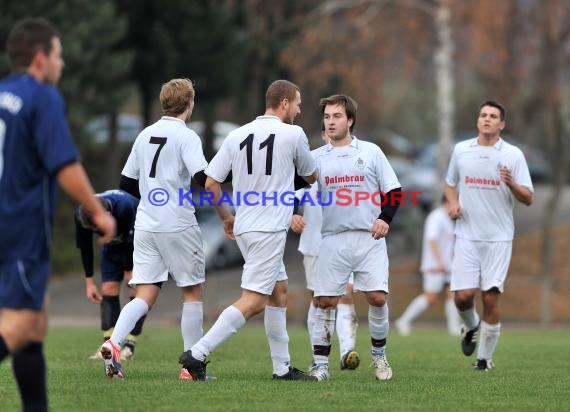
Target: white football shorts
[(480, 265), (157, 254), (263, 256), (310, 264), (434, 282), (351, 251)]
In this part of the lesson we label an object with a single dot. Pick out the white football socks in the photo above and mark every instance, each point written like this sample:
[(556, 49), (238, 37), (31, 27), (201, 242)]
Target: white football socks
[(378, 321), (191, 323), (275, 321), (322, 331), (130, 314), (346, 326), (452, 316), (228, 323), (488, 339), (311, 317), (470, 317)]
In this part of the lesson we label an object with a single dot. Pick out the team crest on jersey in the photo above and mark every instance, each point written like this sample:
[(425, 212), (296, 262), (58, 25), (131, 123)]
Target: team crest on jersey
[(360, 163)]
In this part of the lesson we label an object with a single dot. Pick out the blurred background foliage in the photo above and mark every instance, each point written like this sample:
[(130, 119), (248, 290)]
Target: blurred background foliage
[(119, 52)]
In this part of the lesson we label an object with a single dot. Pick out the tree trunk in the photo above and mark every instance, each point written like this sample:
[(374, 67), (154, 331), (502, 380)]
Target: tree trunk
[(112, 174), (552, 81), (445, 90)]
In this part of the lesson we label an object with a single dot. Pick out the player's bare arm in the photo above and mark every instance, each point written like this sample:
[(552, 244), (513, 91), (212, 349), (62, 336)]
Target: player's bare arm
[(73, 180), (223, 212), (312, 178), (521, 193), (91, 291), (453, 199)]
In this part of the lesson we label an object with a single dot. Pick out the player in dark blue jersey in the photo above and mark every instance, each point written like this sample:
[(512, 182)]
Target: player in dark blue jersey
[(116, 263), (36, 153)]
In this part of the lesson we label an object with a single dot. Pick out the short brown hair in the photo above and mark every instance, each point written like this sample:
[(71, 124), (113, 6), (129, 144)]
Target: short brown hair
[(279, 90), (86, 218), (28, 37), (175, 96), (349, 104), (496, 105)]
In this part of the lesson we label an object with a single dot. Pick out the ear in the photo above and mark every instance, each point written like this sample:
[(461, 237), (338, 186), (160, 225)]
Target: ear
[(350, 122), (39, 60)]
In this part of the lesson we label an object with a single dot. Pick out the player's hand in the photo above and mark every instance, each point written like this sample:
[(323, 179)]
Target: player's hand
[(380, 229), (455, 211), (506, 176), (297, 224), (229, 227), (92, 292), (106, 225)]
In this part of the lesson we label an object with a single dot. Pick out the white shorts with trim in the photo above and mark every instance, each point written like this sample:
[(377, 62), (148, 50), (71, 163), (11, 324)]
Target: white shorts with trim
[(263, 255), (156, 254), (434, 282), (310, 264), (480, 265), (351, 251)]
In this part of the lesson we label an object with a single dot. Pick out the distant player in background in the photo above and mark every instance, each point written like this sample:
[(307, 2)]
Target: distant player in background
[(308, 225), (263, 156), (437, 255), (353, 233), (36, 153), (116, 263), (165, 157), (485, 177)]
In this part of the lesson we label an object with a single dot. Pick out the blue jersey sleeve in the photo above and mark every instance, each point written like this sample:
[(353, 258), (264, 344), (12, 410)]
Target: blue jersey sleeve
[(51, 133)]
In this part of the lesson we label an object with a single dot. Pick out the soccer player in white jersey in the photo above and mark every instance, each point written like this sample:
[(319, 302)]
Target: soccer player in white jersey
[(308, 225), (437, 254), (164, 157), (262, 155), (353, 231), (485, 177)]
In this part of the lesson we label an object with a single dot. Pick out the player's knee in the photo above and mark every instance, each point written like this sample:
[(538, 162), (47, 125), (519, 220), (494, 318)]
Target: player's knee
[(377, 299), (111, 288), (431, 298), (326, 302)]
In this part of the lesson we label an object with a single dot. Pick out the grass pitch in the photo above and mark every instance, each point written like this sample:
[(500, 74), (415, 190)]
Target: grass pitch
[(430, 374)]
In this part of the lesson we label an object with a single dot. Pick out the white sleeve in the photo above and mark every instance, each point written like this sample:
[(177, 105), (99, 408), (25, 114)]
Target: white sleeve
[(521, 174), (221, 165), (131, 168), (304, 161), (388, 179), (452, 177), (193, 155)]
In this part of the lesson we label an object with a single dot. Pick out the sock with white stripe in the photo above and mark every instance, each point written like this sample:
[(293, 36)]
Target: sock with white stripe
[(321, 334)]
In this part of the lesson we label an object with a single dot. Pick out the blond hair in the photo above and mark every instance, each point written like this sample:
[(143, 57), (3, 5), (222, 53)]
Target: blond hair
[(175, 96)]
